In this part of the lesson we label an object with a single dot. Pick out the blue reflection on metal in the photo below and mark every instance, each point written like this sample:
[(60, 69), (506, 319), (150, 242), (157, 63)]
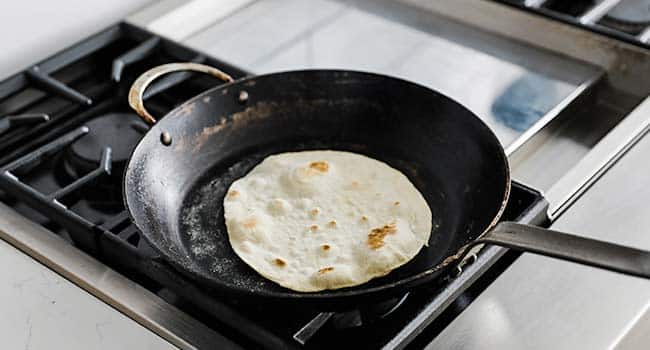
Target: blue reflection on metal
[(525, 101)]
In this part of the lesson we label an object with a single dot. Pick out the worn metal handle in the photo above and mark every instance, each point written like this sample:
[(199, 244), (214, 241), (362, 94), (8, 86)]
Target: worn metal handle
[(136, 92), (587, 251)]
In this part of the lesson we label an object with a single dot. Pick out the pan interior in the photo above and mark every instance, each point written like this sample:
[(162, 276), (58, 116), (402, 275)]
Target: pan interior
[(206, 238), (175, 193)]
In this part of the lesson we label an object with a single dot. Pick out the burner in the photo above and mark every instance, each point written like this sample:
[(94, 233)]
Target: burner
[(119, 131), (368, 314), (572, 8), (364, 315), (630, 16)]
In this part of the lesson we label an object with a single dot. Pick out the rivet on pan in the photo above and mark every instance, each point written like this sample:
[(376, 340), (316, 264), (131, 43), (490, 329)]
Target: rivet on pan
[(243, 96), (166, 138), (472, 259), (456, 271)]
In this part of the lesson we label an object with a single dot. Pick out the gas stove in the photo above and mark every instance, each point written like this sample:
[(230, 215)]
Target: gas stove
[(67, 176), (66, 133)]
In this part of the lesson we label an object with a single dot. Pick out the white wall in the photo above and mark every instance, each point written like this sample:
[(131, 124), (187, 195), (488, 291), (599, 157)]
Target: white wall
[(31, 30)]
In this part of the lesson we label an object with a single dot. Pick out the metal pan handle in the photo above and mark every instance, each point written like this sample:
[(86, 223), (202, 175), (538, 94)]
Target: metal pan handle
[(587, 251), (140, 85)]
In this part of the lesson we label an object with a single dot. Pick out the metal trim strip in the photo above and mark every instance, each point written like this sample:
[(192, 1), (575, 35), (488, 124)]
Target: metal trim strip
[(126, 296), (599, 159)]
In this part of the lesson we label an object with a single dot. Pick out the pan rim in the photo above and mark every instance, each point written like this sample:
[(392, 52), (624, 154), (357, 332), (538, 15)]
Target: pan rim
[(408, 283)]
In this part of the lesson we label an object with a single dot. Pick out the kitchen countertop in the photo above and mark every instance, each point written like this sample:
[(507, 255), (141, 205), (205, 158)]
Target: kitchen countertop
[(43, 310), (32, 30)]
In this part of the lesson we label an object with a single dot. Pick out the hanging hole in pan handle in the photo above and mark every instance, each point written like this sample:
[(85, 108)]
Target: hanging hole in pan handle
[(140, 85)]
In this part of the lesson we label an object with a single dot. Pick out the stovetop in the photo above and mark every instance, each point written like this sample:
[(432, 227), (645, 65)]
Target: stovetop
[(68, 134)]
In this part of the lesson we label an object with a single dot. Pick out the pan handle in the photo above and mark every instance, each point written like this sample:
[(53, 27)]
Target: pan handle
[(587, 251), (140, 85)]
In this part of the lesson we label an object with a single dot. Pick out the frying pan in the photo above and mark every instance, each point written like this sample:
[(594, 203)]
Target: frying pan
[(179, 172)]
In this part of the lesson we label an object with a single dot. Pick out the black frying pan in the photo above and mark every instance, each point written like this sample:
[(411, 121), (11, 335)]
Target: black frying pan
[(179, 172)]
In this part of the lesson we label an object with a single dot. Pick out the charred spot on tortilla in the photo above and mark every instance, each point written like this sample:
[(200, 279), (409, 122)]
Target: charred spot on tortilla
[(377, 235), (320, 166)]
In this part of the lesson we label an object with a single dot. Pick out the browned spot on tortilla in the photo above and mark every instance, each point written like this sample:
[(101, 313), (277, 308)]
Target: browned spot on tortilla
[(364, 218), (314, 211), (376, 235), (279, 262), (205, 134), (355, 184), (249, 223), (233, 194), (313, 227), (332, 223), (325, 270), (325, 247), (320, 165), (396, 203)]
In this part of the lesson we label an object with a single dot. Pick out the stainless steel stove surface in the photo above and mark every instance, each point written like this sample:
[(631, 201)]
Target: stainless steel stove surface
[(66, 133)]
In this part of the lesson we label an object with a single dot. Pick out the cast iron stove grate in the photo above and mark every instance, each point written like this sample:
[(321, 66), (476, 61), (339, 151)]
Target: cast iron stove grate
[(626, 20)]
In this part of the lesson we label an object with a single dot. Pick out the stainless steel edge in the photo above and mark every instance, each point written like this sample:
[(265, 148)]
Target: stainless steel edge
[(644, 36), (155, 10), (470, 273), (534, 3), (599, 159), (109, 286)]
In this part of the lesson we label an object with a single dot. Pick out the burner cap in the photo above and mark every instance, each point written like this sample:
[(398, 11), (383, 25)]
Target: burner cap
[(120, 131), (629, 16)]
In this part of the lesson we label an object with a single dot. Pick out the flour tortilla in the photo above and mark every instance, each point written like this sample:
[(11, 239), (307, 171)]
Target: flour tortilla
[(317, 220)]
